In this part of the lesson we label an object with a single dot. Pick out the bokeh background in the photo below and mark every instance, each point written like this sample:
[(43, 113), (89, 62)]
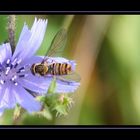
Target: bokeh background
[(107, 51)]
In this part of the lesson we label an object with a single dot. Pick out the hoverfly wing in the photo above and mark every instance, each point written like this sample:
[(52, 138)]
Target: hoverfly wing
[(72, 77), (57, 44)]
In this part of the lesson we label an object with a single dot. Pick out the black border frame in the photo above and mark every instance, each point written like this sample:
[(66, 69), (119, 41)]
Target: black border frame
[(84, 8)]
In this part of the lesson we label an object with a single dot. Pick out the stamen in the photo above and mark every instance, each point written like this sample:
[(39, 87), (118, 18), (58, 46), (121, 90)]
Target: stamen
[(14, 77), (23, 75), (22, 69), (7, 70), (17, 63), (2, 81), (15, 83), (11, 66), (8, 62), (13, 80), (14, 62)]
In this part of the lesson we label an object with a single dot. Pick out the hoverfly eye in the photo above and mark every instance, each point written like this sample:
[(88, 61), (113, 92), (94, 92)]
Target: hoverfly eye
[(33, 69)]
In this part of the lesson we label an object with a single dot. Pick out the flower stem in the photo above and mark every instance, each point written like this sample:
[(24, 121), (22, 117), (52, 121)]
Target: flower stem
[(67, 21), (18, 114), (11, 31)]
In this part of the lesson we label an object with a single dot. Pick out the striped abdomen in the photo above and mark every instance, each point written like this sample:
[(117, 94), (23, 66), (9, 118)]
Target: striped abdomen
[(59, 69)]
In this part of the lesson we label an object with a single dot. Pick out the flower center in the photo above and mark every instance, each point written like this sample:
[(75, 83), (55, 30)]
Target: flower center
[(10, 72)]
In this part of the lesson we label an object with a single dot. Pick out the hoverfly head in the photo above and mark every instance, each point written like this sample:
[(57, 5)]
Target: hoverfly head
[(41, 69)]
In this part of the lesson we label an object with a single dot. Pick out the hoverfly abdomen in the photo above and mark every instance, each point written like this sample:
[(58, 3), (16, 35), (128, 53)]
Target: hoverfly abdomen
[(59, 69)]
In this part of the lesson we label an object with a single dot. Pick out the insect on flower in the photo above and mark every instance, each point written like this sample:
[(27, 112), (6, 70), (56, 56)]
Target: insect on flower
[(55, 66)]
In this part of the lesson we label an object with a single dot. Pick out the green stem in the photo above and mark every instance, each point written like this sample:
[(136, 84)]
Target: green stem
[(18, 114), (11, 31), (67, 21)]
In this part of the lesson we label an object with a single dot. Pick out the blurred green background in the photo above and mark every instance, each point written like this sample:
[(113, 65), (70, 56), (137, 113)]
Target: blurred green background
[(107, 51)]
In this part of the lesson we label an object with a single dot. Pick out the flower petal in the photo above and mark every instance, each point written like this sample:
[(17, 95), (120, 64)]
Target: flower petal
[(7, 99), (26, 100), (35, 83), (32, 60), (2, 89), (5, 52), (23, 39), (2, 105), (41, 84), (30, 40), (66, 87), (11, 94)]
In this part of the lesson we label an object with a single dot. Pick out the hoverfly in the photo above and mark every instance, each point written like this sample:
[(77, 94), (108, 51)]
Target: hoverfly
[(49, 66)]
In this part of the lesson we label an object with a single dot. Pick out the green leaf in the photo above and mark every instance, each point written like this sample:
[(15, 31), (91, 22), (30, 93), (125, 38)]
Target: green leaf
[(45, 113), (61, 105), (60, 109), (52, 86), (41, 98)]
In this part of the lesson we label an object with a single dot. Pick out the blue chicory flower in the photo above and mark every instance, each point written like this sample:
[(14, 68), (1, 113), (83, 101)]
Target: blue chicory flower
[(15, 76), (13, 68)]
